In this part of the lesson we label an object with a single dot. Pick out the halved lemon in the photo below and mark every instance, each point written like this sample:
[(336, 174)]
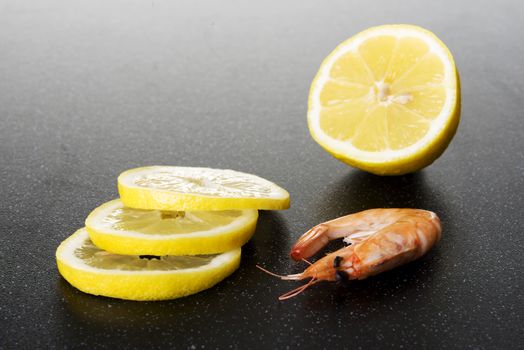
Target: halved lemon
[(185, 188), (98, 272), (122, 230), (386, 100)]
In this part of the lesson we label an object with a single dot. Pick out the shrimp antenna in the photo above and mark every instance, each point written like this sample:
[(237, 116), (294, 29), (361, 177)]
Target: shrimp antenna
[(297, 276), (269, 272), (297, 291), (306, 261)]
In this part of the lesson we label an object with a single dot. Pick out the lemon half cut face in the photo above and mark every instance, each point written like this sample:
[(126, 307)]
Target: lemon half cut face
[(386, 100)]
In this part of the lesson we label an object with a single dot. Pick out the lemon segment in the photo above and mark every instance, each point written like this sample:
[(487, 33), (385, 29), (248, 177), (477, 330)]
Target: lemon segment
[(189, 189), (386, 100), (98, 272), (122, 230)]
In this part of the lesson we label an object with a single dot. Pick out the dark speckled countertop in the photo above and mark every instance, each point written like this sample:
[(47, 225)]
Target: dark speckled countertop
[(91, 88)]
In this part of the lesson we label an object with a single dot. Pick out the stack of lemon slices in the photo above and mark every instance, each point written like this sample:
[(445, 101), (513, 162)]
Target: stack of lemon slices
[(174, 231)]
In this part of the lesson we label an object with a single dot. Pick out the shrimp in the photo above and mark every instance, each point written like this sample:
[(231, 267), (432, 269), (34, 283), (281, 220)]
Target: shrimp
[(379, 240)]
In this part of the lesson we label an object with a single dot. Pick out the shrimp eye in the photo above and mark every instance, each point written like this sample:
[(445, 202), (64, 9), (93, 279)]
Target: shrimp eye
[(341, 276), (337, 261)]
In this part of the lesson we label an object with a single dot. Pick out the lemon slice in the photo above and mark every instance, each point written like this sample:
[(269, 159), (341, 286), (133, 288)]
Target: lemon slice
[(98, 272), (181, 188), (118, 229), (386, 100)]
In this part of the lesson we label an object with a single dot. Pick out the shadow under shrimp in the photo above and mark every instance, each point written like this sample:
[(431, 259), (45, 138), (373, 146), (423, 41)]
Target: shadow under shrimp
[(402, 283)]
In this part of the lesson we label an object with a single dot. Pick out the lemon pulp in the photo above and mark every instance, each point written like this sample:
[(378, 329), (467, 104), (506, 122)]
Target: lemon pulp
[(119, 229), (163, 222), (184, 188), (100, 259)]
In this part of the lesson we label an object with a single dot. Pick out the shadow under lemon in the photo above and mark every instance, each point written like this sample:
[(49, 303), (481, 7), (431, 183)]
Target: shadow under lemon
[(270, 241), (360, 191)]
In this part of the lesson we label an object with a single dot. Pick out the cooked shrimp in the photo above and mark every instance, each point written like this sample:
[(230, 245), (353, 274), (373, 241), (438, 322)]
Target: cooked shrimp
[(380, 240)]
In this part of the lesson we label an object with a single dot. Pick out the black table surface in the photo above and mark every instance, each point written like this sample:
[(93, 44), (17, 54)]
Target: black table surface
[(91, 88)]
